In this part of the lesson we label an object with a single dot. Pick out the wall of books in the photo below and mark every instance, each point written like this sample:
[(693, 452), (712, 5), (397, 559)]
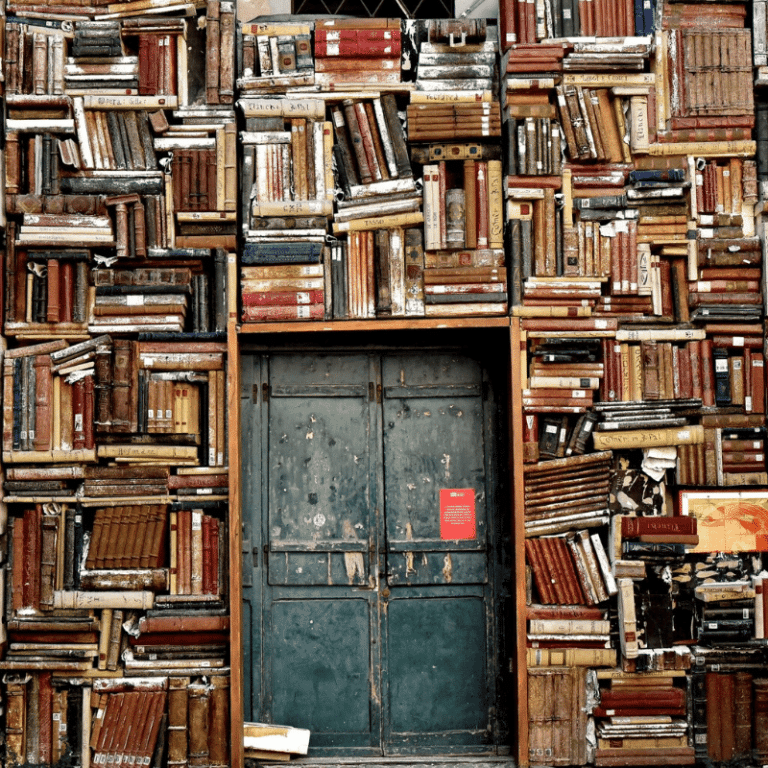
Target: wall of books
[(120, 220), (590, 173)]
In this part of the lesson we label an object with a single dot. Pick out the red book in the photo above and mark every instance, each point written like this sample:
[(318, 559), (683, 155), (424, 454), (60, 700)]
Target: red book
[(67, 291), (366, 133), (707, 373), (52, 310), (637, 526), (642, 697), (19, 560), (184, 552), (198, 481), (756, 374), (33, 549), (207, 574), (43, 401), (507, 24), (180, 638), (358, 49), (355, 35), (156, 624), (272, 298)]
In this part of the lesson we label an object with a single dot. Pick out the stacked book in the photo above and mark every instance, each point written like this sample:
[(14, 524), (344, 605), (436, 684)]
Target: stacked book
[(637, 712), (275, 57), (157, 297), (185, 641), (564, 494), (202, 149), (127, 537), (141, 716), (196, 546), (351, 52), (287, 203), (379, 211), (121, 196), (465, 74), (521, 24)]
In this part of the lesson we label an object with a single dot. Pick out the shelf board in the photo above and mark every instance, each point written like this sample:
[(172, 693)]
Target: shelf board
[(394, 324)]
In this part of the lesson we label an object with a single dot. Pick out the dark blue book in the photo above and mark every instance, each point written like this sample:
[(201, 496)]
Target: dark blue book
[(16, 434), (282, 253), (142, 290), (219, 302), (639, 18), (183, 337), (666, 174), (178, 253), (649, 14), (465, 298)]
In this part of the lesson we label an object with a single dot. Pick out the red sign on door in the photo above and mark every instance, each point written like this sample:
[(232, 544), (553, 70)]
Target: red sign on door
[(457, 513)]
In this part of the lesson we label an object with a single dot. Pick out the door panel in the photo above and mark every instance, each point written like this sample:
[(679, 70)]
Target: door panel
[(437, 675), (433, 440), (320, 664), (319, 499)]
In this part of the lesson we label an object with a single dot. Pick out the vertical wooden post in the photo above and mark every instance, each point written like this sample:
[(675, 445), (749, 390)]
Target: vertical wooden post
[(518, 535), (235, 547)]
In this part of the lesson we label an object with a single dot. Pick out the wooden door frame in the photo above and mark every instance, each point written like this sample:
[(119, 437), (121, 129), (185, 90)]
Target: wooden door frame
[(270, 335)]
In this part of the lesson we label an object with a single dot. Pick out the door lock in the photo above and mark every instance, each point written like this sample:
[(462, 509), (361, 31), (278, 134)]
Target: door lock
[(384, 592)]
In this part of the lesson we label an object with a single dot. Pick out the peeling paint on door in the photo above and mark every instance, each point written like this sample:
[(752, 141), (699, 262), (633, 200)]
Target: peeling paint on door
[(353, 561), (448, 569), (409, 569)]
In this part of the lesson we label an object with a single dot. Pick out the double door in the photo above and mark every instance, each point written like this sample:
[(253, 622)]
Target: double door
[(370, 525)]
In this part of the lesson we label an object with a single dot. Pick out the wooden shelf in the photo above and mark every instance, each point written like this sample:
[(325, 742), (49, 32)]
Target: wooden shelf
[(394, 324)]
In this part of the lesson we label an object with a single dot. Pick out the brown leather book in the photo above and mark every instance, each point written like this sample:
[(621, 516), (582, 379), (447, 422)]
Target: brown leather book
[(49, 527), (356, 140), (43, 403), (54, 291), (227, 53), (199, 724), (16, 718), (124, 386), (367, 130), (32, 557), (218, 748), (212, 51), (183, 624), (177, 721), (544, 585)]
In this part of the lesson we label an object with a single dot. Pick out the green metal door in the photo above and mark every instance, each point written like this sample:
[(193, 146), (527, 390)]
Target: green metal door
[(369, 501)]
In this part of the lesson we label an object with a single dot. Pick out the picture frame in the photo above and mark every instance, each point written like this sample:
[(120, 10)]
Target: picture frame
[(728, 521)]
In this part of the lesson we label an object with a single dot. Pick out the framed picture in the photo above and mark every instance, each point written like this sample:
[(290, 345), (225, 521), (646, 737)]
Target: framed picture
[(728, 521)]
